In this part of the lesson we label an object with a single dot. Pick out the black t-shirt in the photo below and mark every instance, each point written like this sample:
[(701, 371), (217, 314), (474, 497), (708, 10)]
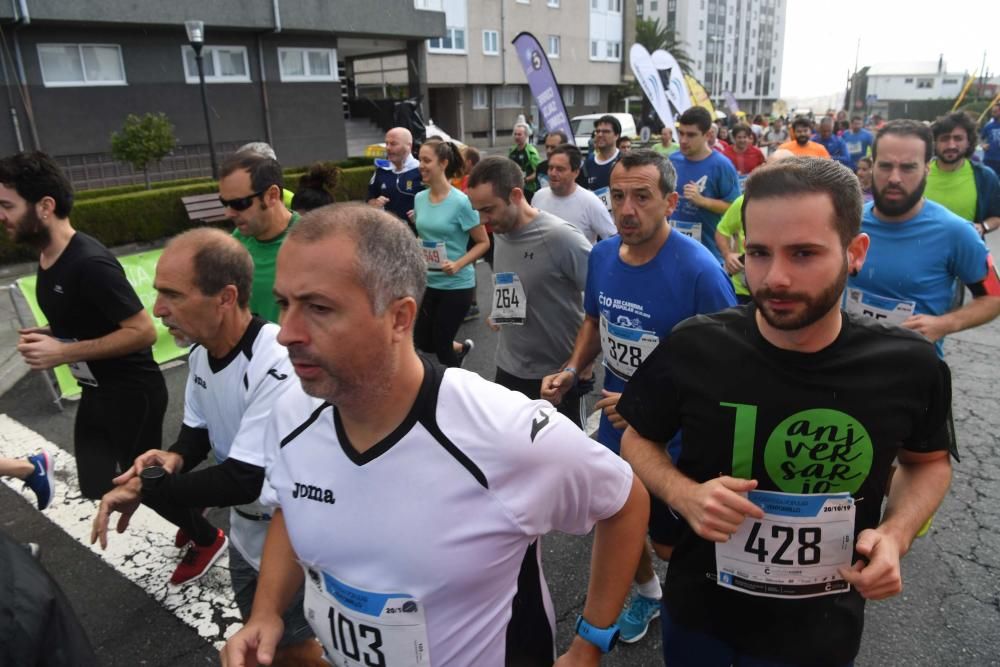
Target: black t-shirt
[(85, 295), (826, 422)]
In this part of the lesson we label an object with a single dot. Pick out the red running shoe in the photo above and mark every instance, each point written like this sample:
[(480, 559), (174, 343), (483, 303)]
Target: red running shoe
[(197, 560)]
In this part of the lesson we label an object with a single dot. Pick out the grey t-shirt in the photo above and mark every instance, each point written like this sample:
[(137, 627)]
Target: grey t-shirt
[(582, 209), (550, 258)]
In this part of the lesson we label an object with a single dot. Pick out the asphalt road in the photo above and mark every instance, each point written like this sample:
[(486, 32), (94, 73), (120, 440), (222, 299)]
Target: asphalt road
[(948, 614)]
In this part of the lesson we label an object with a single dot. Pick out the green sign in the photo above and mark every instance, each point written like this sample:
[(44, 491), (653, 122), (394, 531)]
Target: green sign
[(140, 270)]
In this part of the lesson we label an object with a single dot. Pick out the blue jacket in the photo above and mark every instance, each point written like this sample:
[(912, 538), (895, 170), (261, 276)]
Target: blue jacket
[(987, 191), (836, 147)]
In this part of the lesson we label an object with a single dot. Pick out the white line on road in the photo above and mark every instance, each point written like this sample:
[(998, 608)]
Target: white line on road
[(145, 553)]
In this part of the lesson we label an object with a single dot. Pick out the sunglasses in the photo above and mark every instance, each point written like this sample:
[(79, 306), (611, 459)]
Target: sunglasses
[(240, 203)]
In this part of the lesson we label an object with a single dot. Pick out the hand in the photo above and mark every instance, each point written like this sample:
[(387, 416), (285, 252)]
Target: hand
[(39, 330), (41, 351), (733, 263), (931, 326), (881, 577), (170, 461), (410, 215), (254, 644), (378, 202), (491, 324), (581, 653), (449, 268), (693, 193), (609, 404), (715, 509), (555, 386), (124, 499)]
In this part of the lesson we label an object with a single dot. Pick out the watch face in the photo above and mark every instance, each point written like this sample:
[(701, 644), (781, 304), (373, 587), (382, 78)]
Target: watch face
[(153, 472)]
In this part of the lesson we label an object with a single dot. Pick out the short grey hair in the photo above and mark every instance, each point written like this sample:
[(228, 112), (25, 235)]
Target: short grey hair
[(527, 130), (261, 148), (218, 260), (641, 157), (389, 263)]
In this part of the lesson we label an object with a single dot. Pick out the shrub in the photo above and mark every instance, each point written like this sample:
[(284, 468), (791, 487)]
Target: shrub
[(143, 140)]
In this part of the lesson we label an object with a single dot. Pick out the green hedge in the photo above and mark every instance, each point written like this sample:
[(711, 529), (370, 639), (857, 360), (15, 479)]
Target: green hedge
[(151, 215)]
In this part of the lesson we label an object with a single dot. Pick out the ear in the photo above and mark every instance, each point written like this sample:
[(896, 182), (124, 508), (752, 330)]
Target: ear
[(516, 196), (402, 314), (229, 296), (45, 207), (857, 251), (273, 195)]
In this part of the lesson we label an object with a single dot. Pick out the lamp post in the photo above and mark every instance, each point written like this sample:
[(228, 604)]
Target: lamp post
[(196, 38)]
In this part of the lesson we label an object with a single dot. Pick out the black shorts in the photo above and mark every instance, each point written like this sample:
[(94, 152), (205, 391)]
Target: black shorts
[(665, 524)]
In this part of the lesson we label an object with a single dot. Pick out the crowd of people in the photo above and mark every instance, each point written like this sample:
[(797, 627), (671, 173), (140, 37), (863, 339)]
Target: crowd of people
[(738, 283)]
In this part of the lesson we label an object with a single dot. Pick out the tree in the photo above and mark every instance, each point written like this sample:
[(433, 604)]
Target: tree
[(653, 35), (143, 140)]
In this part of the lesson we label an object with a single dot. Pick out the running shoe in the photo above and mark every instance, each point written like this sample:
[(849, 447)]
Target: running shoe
[(181, 539), (197, 560), (467, 346), (40, 480), (635, 619), (473, 313)]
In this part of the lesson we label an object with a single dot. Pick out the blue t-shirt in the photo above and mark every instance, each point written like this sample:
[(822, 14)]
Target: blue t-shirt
[(637, 306), (717, 179), (857, 145), (449, 221), (400, 187), (918, 261), (836, 147), (991, 135)]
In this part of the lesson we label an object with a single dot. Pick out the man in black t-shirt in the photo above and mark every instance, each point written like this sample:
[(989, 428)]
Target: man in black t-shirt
[(791, 413), (96, 324)]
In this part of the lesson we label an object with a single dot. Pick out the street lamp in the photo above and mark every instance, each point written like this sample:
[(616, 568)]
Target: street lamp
[(717, 62), (196, 38)]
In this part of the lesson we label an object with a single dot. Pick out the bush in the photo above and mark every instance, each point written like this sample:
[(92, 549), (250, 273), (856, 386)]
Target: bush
[(143, 140)]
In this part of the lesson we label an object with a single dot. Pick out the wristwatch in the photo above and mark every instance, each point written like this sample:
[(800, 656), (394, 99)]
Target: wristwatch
[(151, 477), (603, 638)]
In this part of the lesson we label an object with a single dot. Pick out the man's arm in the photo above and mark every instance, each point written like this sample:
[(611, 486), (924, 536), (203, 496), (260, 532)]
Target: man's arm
[(618, 541), (718, 206), (585, 350), (731, 257), (980, 310), (918, 487), (134, 333), (280, 577)]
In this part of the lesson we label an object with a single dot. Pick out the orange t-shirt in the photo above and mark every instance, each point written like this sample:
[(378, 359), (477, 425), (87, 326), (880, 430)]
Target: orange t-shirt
[(811, 149)]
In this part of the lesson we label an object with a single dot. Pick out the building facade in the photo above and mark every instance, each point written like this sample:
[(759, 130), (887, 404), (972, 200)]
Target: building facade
[(736, 46)]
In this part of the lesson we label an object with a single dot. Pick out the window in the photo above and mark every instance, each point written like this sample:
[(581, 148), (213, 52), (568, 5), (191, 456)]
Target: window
[(81, 65), (595, 4), (908, 80), (701, 25), (223, 64), (308, 64), (653, 5), (480, 97), (925, 83), (591, 96), (432, 5), (594, 44), (453, 41), (491, 42), (524, 2), (509, 97), (568, 95), (553, 51), (553, 3), (949, 81), (615, 6), (613, 50)]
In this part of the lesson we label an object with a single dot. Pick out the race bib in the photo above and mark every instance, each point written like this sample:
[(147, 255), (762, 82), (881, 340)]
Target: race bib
[(893, 311), (743, 181), (79, 369), (363, 628), (692, 229), (854, 147), (625, 349), (435, 254), (604, 194), (795, 551), (509, 303)]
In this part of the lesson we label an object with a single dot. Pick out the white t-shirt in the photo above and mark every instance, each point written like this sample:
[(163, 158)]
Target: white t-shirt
[(582, 209), (232, 398), (432, 524)]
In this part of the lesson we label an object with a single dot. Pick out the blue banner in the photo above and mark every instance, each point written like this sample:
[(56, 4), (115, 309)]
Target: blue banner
[(543, 84)]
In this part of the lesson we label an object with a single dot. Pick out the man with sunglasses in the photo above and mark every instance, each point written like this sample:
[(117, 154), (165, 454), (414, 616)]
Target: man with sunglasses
[(250, 190)]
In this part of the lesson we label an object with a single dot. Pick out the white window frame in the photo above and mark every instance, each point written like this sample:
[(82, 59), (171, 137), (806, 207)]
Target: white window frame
[(429, 5), (589, 95), (452, 31), (615, 6), (495, 51), (552, 3), (211, 51), (595, 49), (331, 55), (83, 83), (480, 97), (569, 95), (510, 104), (553, 41)]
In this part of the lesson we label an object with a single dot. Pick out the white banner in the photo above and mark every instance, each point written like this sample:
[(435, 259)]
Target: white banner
[(648, 76), (673, 81)]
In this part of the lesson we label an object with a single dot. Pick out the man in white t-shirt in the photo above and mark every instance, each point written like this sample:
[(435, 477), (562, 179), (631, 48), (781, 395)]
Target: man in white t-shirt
[(565, 199), (410, 498)]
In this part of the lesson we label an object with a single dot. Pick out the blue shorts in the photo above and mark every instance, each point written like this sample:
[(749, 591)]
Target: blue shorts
[(244, 580)]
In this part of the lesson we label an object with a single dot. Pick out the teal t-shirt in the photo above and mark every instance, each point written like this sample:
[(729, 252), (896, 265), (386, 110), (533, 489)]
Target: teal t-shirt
[(448, 221)]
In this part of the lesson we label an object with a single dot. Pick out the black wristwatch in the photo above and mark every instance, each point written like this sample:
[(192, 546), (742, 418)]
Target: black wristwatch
[(151, 476)]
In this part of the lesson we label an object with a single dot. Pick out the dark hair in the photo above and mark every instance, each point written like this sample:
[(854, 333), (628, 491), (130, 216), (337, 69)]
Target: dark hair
[(500, 172), (856, 117), (316, 187), (959, 119), (903, 127), (608, 119), (644, 156), (863, 158), (219, 260), (796, 176), (697, 116), (742, 127), (446, 151), (471, 156), (758, 119), (264, 171), (562, 135), (572, 153), (36, 175), (622, 139), (801, 121)]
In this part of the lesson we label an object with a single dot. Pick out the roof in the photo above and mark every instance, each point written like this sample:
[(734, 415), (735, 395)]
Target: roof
[(919, 67)]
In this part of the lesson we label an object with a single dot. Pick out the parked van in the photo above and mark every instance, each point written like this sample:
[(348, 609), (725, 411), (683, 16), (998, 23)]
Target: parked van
[(583, 127)]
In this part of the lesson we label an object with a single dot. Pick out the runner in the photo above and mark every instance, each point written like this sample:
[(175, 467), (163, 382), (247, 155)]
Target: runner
[(775, 135), (667, 145), (595, 175), (744, 156), (565, 199), (541, 272), (709, 182), (858, 141), (411, 496), (864, 174), (639, 285), (527, 158), (445, 223), (801, 144), (781, 577), (396, 180), (833, 144), (990, 134), (36, 473), (919, 248), (552, 140), (236, 372), (96, 323)]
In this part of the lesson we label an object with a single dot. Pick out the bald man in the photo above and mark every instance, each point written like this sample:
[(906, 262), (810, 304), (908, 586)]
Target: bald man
[(396, 180)]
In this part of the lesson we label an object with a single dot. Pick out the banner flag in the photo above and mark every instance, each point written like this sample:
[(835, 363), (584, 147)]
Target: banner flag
[(648, 77), (672, 77), (542, 83)]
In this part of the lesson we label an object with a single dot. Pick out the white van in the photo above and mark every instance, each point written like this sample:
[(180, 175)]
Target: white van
[(583, 126)]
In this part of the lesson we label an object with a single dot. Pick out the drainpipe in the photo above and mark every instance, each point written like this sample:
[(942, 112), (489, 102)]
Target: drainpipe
[(23, 19), (265, 101)]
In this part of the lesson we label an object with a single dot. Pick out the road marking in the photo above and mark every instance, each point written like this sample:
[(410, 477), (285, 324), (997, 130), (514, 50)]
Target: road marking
[(145, 553)]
